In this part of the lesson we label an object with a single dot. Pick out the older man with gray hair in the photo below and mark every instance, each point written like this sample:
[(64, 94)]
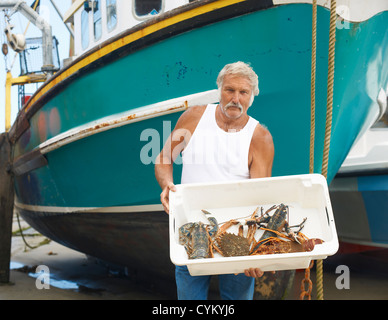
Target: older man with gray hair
[(218, 143)]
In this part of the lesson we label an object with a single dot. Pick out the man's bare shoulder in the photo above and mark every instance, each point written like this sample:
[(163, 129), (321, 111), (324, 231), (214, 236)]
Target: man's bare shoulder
[(262, 137), (190, 118)]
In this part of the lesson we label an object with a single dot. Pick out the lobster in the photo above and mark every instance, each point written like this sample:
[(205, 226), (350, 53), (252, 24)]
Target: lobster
[(273, 232), (196, 237)]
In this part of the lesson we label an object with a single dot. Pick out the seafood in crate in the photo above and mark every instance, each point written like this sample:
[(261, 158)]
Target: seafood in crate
[(230, 236), (200, 240)]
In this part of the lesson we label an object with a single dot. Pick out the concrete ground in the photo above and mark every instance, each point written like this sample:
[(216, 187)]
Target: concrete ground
[(72, 275)]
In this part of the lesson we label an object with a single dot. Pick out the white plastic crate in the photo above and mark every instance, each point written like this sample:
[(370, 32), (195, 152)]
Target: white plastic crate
[(306, 195)]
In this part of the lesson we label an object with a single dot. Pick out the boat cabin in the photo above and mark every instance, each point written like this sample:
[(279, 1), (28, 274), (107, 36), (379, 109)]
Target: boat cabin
[(98, 20)]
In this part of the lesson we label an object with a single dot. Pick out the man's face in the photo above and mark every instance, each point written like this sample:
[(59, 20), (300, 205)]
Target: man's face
[(236, 94)]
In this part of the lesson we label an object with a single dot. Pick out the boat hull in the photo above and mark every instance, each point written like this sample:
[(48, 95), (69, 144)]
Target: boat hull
[(137, 240), (115, 167), (360, 206)]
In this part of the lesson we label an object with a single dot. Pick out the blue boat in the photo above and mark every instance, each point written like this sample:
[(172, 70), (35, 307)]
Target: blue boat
[(359, 192), (86, 141)]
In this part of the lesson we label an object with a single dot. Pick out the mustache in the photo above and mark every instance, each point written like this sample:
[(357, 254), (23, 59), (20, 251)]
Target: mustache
[(233, 104)]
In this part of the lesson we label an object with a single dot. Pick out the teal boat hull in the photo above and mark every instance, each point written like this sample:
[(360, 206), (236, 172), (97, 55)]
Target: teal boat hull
[(114, 169)]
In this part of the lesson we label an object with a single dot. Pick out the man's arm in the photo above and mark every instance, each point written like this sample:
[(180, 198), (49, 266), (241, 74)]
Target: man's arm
[(163, 174), (176, 142), (164, 164), (261, 153)]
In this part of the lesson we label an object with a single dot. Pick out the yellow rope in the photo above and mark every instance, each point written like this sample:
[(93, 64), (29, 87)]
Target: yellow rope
[(307, 293), (329, 115), (329, 109), (313, 67), (330, 84), (319, 277), (312, 122)]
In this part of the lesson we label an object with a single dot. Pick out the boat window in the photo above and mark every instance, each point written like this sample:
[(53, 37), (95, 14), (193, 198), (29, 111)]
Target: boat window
[(111, 16), (84, 29), (147, 7), (97, 24)]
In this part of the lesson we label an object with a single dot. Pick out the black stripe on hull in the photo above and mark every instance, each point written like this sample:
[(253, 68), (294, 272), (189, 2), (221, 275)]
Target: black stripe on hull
[(138, 240)]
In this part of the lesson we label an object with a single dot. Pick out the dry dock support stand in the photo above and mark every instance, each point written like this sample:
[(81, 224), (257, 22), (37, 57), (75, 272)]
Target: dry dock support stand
[(6, 207)]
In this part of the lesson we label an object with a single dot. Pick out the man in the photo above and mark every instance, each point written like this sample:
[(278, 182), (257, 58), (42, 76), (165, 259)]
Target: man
[(218, 143)]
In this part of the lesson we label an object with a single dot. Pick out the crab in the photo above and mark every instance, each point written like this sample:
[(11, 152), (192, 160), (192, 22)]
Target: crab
[(231, 245)]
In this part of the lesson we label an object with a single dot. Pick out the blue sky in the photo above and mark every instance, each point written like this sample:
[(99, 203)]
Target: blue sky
[(59, 30)]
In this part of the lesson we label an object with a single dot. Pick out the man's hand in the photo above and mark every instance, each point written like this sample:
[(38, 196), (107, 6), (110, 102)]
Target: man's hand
[(164, 196), (255, 272)]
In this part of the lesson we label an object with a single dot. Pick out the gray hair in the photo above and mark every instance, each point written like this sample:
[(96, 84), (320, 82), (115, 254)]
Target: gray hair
[(241, 69)]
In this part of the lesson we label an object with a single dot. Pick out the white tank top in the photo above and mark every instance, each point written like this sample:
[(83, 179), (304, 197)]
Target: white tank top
[(214, 155)]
